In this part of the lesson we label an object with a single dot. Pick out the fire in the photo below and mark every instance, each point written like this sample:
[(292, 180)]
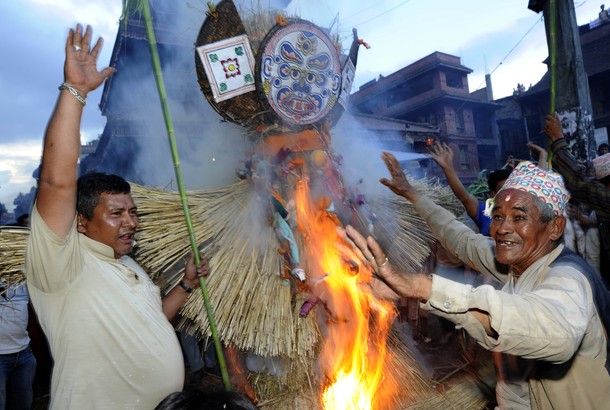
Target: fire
[(354, 352)]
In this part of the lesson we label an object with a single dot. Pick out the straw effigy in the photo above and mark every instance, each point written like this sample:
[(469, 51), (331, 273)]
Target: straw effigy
[(256, 305), (256, 308), (252, 301)]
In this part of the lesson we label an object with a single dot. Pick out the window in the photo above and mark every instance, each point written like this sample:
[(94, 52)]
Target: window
[(454, 80), (464, 163), (421, 84), (459, 121)]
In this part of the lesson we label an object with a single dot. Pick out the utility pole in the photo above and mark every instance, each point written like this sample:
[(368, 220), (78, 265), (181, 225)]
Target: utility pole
[(572, 98)]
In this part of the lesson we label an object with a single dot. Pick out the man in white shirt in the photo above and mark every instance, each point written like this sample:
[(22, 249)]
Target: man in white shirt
[(107, 325)]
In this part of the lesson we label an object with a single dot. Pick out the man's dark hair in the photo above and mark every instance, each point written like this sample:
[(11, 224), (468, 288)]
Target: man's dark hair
[(209, 400), (497, 176), (91, 185), (602, 145)]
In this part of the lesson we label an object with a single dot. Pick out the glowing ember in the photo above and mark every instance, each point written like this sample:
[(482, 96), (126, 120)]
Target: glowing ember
[(354, 350)]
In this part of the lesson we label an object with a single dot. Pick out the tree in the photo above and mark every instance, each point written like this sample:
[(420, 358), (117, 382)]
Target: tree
[(2, 210), (23, 203)]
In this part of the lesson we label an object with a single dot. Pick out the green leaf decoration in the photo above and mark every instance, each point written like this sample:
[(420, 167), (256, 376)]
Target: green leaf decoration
[(223, 87), (213, 58), (248, 78), (239, 51)]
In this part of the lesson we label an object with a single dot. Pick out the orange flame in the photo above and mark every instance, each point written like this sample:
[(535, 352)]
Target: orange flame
[(354, 352)]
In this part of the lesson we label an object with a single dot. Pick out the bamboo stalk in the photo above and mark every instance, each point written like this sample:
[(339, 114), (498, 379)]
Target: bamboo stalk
[(152, 42), (553, 79)]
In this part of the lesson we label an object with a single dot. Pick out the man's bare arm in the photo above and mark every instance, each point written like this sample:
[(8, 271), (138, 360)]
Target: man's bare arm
[(443, 155), (56, 197)]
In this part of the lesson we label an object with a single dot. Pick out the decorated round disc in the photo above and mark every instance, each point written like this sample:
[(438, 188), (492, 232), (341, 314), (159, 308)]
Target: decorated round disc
[(300, 73)]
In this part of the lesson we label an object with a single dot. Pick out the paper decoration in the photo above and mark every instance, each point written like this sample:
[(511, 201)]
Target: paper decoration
[(347, 79), (229, 66), (300, 73)]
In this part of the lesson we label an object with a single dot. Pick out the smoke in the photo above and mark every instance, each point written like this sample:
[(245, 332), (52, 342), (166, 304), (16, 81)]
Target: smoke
[(208, 149), (361, 151)]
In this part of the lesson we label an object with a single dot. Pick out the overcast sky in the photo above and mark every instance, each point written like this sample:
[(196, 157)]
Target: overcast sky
[(501, 37)]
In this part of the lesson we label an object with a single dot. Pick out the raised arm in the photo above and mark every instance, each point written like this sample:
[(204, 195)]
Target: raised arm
[(443, 155), (591, 193), (399, 183), (473, 249), (542, 155), (56, 197)]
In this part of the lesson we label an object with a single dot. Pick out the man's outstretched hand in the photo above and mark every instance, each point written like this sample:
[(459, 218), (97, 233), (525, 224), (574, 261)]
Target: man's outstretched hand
[(399, 183), (80, 67)]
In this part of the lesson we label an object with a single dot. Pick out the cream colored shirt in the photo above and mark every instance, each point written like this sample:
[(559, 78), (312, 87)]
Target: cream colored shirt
[(547, 317), (112, 345)]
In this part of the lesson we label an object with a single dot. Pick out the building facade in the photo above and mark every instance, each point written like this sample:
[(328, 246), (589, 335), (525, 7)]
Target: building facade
[(434, 90)]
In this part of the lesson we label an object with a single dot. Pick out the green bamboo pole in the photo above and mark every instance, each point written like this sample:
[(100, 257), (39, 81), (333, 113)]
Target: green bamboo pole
[(553, 51), (152, 42), (553, 62)]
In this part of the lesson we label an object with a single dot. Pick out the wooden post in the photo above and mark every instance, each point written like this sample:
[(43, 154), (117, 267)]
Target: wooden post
[(572, 98)]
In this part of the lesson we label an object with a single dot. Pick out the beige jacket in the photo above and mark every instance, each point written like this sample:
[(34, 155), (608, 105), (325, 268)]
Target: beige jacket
[(547, 318)]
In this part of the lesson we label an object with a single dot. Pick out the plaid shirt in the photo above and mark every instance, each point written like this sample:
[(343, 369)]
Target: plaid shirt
[(590, 192)]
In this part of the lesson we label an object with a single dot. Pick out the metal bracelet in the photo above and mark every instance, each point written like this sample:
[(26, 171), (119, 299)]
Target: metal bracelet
[(80, 98)]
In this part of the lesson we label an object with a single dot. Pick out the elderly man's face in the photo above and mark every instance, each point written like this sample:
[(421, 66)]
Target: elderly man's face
[(520, 236)]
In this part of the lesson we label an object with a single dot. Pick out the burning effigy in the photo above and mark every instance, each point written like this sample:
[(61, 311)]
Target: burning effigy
[(291, 298)]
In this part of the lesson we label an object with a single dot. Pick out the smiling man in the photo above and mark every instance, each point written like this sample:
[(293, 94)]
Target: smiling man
[(551, 313), (108, 327)]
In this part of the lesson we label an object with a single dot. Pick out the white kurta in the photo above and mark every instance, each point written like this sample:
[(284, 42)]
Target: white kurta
[(112, 345)]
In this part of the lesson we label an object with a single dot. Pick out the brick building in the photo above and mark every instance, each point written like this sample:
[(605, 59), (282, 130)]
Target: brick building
[(434, 90)]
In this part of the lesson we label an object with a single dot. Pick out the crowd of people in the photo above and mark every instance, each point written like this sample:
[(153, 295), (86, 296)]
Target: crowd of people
[(551, 312)]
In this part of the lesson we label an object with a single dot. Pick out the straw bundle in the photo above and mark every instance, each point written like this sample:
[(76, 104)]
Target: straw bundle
[(301, 390), (253, 304), (258, 21), (12, 253), (403, 234), (461, 396)]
